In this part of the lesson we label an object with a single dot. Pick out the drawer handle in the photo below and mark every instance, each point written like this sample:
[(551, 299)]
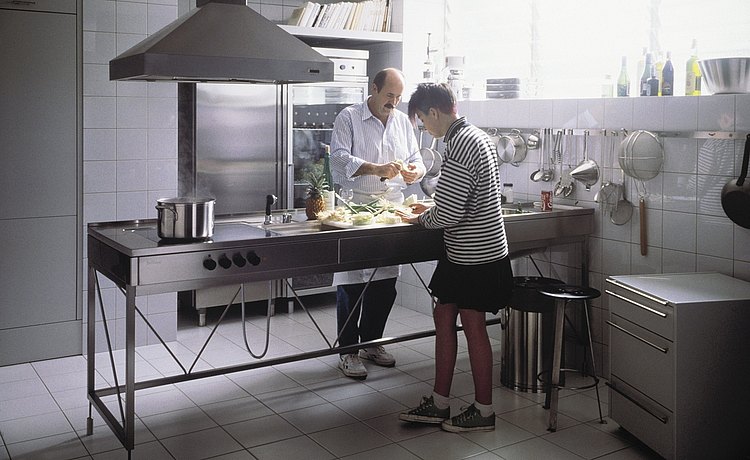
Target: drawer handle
[(620, 328), (639, 305), (637, 292), (662, 418)]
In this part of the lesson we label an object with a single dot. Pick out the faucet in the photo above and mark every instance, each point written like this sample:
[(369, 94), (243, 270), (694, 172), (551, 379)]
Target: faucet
[(270, 199)]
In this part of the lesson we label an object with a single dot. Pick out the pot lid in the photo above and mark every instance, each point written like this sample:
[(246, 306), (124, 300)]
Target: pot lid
[(222, 41)]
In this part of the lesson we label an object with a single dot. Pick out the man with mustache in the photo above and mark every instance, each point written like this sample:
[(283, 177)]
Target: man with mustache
[(374, 151)]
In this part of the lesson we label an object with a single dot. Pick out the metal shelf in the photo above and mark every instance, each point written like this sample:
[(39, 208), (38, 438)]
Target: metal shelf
[(728, 135)]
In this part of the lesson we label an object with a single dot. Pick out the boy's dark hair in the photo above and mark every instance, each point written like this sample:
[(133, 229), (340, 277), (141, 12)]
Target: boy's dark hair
[(431, 96)]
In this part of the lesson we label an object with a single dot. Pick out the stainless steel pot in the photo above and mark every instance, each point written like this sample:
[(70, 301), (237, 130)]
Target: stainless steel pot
[(511, 148), (185, 218)]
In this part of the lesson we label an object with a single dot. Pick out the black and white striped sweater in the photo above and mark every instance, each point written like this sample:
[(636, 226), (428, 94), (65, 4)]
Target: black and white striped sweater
[(467, 198)]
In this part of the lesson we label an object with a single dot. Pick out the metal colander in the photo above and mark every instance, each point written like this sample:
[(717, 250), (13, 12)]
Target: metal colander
[(641, 155)]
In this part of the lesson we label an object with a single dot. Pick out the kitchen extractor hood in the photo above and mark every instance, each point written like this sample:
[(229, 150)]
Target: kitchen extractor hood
[(222, 41)]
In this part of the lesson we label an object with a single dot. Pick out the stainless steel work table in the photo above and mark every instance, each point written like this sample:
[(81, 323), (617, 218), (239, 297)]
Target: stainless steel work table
[(243, 250)]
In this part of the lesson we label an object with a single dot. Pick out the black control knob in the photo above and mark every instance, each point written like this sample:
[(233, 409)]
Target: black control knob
[(253, 258), (224, 261), (238, 259), (209, 263)]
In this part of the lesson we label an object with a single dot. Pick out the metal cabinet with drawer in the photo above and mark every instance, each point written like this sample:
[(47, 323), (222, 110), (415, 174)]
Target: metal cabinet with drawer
[(680, 373)]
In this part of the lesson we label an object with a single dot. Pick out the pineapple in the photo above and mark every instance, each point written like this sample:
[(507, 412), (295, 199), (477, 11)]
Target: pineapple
[(315, 201)]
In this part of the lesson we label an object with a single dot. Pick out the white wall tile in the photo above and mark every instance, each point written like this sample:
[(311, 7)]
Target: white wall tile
[(159, 16), (590, 113), (679, 231), (96, 80), (132, 175), (131, 18), (680, 155), (99, 112), (162, 174), (742, 270), (681, 113), (132, 205), (162, 144), (618, 113), (648, 264), (678, 261), (742, 112), (741, 243), (99, 144), (616, 258), (126, 41), (716, 113), (162, 112), (132, 112), (716, 156), (132, 144), (132, 88), (648, 113), (715, 236), (161, 303), (98, 47), (99, 207), (518, 113), (714, 264), (99, 176), (541, 113), (153, 196), (162, 89), (708, 194), (679, 192), (98, 16)]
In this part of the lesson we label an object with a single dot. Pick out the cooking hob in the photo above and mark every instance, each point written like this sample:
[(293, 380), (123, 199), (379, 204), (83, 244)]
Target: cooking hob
[(227, 231)]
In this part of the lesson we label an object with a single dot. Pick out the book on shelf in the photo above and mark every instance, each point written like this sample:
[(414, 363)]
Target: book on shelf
[(365, 15)]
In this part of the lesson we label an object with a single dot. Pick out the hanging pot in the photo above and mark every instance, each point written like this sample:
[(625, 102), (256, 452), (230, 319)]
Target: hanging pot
[(185, 218), (511, 148), (735, 196)]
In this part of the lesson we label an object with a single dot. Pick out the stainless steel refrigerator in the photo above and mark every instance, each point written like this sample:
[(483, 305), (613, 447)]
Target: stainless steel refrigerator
[(239, 143)]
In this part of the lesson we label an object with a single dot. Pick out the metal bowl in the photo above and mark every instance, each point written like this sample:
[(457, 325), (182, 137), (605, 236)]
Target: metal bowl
[(726, 75)]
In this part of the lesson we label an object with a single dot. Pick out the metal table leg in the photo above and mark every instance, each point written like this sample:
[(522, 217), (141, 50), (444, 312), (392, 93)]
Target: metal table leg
[(556, 362)]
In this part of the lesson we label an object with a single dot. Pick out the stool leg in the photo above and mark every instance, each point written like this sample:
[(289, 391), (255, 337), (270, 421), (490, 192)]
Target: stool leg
[(556, 362), (593, 361)]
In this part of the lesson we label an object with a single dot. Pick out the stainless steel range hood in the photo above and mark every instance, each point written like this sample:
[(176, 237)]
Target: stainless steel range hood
[(222, 41)]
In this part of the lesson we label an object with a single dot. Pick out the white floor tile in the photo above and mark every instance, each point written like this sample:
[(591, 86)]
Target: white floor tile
[(18, 389), (148, 451), (391, 452), (349, 439), (260, 431), (300, 447), (201, 444), (236, 410), (58, 447), (535, 448), (586, 441), (442, 445), (178, 422), (318, 418), (370, 405), (36, 426), (17, 372)]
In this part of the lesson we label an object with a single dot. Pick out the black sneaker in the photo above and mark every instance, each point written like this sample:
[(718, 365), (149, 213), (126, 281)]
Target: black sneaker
[(469, 420), (426, 412)]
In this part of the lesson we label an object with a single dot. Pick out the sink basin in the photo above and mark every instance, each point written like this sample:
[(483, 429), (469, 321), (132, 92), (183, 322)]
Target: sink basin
[(293, 228), (514, 211)]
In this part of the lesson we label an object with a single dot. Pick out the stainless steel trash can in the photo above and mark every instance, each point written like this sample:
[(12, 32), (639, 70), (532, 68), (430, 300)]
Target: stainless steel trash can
[(528, 335)]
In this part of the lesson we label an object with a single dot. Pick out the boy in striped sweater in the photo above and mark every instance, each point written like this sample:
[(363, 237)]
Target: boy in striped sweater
[(475, 276)]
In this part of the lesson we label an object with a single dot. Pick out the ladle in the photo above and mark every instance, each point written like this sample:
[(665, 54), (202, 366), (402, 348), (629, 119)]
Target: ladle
[(549, 174), (537, 175)]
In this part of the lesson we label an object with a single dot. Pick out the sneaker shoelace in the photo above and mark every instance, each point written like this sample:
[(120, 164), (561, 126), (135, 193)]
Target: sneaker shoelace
[(466, 414), (426, 403)]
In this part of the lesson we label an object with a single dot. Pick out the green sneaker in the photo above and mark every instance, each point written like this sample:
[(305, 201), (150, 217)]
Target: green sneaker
[(469, 420), (426, 412)]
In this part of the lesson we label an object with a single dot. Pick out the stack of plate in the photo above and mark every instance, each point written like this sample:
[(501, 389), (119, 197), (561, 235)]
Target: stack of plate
[(503, 88)]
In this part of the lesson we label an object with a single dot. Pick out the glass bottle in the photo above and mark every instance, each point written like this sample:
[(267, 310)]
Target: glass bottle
[(667, 77), (607, 86), (646, 75), (652, 83), (693, 72), (623, 81), (659, 64), (508, 193)]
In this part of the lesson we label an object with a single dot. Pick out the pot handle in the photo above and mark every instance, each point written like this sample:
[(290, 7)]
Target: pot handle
[(745, 160)]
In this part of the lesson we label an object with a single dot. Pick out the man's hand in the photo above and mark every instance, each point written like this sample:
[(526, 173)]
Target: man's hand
[(389, 170), (410, 173)]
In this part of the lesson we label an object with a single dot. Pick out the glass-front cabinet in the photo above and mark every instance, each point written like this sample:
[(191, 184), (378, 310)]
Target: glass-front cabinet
[(314, 108)]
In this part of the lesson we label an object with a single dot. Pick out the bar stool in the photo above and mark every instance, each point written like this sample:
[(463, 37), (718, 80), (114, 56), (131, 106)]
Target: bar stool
[(564, 294)]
